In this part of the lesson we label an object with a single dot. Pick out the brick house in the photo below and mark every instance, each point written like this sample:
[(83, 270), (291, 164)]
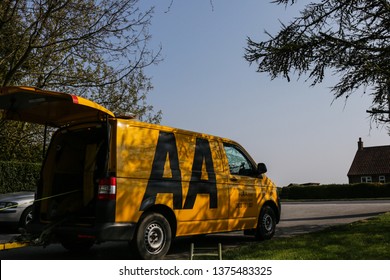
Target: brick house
[(371, 164)]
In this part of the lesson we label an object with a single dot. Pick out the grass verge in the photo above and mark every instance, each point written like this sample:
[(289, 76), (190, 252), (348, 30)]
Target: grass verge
[(363, 240)]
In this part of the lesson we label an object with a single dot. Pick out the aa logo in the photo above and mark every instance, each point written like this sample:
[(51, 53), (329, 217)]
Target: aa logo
[(166, 156)]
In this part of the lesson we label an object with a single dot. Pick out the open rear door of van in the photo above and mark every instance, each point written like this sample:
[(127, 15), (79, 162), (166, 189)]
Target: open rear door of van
[(56, 109)]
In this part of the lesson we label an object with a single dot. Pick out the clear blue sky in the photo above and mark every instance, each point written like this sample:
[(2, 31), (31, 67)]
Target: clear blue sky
[(205, 85)]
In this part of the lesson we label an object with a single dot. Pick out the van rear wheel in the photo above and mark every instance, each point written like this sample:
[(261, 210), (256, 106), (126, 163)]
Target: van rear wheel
[(153, 237), (267, 224)]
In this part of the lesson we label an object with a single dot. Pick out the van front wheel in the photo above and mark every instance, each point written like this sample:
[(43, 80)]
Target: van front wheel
[(153, 237), (266, 224)]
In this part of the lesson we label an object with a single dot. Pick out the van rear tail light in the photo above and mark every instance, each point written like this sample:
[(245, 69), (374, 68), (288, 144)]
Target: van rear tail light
[(107, 189)]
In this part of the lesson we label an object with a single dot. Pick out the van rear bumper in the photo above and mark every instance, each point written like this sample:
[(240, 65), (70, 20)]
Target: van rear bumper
[(99, 232)]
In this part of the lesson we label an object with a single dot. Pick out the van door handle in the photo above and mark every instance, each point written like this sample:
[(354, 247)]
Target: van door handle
[(233, 178)]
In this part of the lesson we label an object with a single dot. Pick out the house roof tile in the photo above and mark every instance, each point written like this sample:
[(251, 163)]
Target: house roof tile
[(371, 161)]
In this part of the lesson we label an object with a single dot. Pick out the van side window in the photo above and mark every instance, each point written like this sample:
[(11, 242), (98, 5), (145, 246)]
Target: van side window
[(238, 162)]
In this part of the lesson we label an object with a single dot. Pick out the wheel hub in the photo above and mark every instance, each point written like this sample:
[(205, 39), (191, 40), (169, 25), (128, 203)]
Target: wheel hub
[(154, 238), (267, 222)]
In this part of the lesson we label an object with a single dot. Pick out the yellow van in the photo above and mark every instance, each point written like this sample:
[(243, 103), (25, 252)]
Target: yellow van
[(107, 178)]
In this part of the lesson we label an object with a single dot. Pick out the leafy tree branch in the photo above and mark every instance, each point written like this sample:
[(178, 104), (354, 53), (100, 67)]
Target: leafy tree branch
[(350, 38)]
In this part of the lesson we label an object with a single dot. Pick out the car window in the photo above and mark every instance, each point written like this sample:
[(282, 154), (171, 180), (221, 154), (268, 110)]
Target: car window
[(238, 162)]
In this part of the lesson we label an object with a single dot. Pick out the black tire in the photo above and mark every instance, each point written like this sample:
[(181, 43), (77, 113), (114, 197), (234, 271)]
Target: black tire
[(267, 224), (153, 237), (26, 217), (77, 245)]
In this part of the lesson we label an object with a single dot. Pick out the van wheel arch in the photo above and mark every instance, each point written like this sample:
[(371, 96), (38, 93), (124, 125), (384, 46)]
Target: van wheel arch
[(266, 224), (272, 204), (166, 212)]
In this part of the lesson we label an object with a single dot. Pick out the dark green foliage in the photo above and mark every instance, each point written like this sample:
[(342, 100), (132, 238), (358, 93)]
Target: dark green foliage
[(363, 190), (21, 141), (18, 176)]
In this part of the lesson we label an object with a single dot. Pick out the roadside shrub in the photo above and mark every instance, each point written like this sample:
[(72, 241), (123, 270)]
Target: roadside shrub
[(18, 176), (335, 191)]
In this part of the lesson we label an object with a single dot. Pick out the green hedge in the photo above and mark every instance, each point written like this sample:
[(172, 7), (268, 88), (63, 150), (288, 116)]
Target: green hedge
[(345, 191), (18, 176)]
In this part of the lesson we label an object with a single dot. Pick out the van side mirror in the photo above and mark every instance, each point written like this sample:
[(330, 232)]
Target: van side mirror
[(261, 168)]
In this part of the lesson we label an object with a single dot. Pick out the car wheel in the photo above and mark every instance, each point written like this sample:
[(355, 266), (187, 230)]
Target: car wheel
[(267, 224), (153, 237), (26, 217)]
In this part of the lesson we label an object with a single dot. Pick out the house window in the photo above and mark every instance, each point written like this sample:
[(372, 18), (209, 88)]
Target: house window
[(366, 179), (382, 179)]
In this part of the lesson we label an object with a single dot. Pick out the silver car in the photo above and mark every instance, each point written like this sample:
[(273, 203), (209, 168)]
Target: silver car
[(16, 208)]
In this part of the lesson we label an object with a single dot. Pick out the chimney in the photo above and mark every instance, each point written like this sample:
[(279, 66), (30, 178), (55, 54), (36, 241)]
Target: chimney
[(360, 144)]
